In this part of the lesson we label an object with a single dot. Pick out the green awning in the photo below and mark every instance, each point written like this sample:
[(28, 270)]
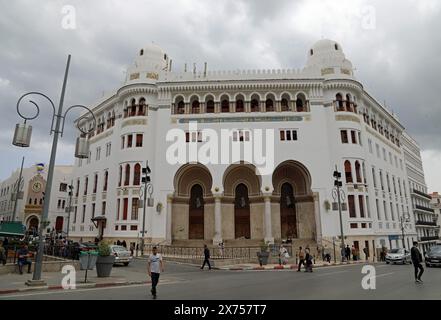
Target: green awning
[(12, 229)]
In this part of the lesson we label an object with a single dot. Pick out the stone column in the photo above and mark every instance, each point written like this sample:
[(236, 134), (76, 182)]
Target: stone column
[(168, 218), (268, 225), (217, 221)]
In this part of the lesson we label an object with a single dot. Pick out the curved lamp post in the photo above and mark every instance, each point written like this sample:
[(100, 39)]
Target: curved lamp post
[(22, 138)]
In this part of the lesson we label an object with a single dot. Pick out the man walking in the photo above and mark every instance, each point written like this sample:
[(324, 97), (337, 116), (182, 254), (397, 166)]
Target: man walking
[(155, 267), (206, 257), (301, 258), (417, 259), (366, 253), (348, 253)]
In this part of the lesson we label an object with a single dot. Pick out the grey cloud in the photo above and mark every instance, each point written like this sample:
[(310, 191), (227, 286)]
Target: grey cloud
[(399, 61)]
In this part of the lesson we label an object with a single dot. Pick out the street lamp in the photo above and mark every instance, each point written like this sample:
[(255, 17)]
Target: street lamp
[(146, 188), (22, 138), (338, 193), (404, 220)]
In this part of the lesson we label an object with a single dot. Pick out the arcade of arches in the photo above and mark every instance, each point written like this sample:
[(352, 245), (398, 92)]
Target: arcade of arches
[(242, 211)]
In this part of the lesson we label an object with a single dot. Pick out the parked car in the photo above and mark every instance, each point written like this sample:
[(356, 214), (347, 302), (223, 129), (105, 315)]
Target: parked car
[(398, 256), (122, 255), (433, 257)]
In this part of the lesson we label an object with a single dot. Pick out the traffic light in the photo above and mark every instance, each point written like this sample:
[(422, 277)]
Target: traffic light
[(145, 174)]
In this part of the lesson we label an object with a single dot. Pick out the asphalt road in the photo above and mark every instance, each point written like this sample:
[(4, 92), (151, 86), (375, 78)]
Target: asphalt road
[(181, 282)]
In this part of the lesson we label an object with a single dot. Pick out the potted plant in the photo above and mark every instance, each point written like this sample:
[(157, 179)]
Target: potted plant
[(105, 260), (263, 255)]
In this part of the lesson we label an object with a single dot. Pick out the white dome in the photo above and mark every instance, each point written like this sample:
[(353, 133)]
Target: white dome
[(150, 61), (326, 54)]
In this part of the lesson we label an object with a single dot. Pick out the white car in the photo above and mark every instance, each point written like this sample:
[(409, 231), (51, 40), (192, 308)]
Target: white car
[(398, 256), (122, 255)]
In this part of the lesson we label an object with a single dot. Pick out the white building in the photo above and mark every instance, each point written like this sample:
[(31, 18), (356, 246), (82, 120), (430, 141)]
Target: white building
[(435, 204), (424, 215), (30, 206), (321, 117)]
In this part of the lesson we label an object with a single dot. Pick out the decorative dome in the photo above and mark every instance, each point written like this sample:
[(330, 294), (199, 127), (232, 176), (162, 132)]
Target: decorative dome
[(150, 61), (326, 56)]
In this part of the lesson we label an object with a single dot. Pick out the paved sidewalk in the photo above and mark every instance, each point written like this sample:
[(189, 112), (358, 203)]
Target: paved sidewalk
[(255, 266), (13, 282)]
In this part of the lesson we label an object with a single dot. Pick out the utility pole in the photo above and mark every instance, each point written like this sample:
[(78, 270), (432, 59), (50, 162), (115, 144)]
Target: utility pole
[(17, 191)]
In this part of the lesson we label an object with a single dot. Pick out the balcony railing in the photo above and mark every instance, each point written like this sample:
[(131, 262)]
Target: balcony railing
[(424, 208), (425, 195), (431, 238), (425, 223)]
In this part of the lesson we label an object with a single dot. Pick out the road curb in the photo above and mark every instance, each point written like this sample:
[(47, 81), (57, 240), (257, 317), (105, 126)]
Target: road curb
[(78, 286)]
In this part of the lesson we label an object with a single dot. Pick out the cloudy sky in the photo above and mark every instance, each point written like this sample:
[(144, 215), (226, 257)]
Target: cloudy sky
[(394, 45)]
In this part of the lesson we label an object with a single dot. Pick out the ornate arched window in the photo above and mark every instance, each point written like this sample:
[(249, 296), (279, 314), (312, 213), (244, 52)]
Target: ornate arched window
[(358, 171), (301, 103), (120, 176), (127, 175), (284, 104), (225, 106), (195, 107), (348, 172), (339, 101), (255, 105), (180, 107), (141, 107), (348, 103), (133, 108), (240, 105), (269, 105), (210, 106), (137, 175)]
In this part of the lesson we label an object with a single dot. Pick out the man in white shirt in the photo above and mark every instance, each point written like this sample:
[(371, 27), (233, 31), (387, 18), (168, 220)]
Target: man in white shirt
[(155, 267)]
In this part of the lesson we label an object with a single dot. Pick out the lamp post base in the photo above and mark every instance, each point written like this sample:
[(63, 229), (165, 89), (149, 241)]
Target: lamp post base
[(36, 283)]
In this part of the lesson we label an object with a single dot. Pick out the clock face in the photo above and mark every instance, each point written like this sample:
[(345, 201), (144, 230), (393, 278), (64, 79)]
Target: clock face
[(36, 187)]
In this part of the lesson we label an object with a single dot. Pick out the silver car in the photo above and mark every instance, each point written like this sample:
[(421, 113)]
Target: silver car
[(398, 256), (122, 255)]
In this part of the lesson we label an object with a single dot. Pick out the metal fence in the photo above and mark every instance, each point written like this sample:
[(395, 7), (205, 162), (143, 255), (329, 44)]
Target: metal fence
[(61, 251), (215, 253)]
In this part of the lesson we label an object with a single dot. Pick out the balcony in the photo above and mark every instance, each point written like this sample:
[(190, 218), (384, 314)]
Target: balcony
[(431, 238), (422, 194), (425, 223), (424, 208)]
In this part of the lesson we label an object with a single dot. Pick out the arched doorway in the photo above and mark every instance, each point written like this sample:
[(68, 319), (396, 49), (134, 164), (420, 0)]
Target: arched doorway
[(192, 203), (288, 219), (242, 227), (33, 225), (292, 186), (196, 213)]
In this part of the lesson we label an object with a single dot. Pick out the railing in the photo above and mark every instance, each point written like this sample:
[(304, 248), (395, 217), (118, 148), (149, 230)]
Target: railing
[(425, 223), (215, 253), (425, 195), (431, 238), (61, 251), (424, 208)]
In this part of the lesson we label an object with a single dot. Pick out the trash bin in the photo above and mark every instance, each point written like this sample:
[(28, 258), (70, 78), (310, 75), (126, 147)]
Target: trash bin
[(88, 260)]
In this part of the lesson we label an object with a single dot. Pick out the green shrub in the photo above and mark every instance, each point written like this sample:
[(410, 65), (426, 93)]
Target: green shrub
[(103, 249)]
